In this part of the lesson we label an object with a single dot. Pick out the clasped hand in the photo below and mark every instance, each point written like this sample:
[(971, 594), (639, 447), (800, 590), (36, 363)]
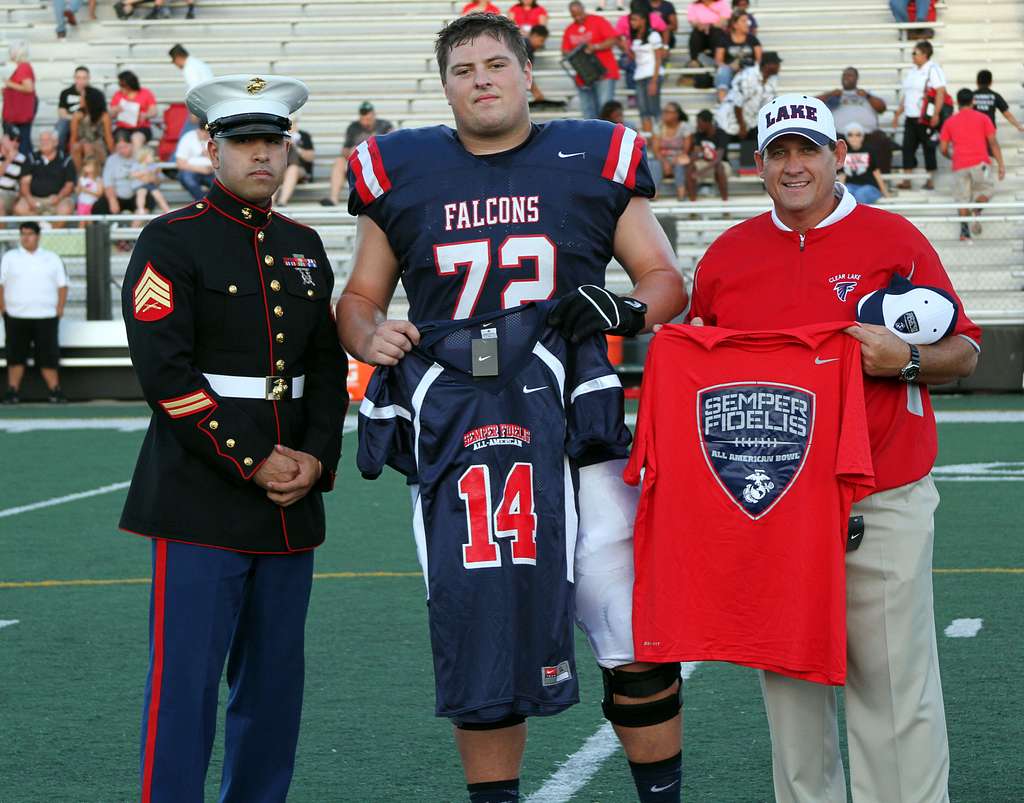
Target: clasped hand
[(288, 475)]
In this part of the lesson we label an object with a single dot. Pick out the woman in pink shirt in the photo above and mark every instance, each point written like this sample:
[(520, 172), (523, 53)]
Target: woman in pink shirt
[(526, 14), (19, 97), (134, 107), (705, 16)]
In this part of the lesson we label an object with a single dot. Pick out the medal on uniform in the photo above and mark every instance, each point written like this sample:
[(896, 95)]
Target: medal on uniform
[(303, 265)]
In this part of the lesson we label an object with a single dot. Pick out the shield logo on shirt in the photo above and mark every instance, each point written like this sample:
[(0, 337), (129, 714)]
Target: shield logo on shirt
[(153, 296), (755, 437)]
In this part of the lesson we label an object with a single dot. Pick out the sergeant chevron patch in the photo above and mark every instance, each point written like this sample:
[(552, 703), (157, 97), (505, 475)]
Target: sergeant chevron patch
[(188, 404), (153, 296)]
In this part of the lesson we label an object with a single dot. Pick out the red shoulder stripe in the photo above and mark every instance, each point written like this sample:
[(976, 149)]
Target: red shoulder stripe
[(612, 159)]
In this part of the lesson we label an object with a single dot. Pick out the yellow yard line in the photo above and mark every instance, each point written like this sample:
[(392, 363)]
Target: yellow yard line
[(135, 581)]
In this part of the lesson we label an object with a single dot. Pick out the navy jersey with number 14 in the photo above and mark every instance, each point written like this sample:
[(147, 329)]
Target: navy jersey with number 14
[(495, 515), (477, 234)]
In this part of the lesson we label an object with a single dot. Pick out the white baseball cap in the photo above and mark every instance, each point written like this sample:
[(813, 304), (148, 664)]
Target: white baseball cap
[(795, 114), (918, 315), (240, 105)]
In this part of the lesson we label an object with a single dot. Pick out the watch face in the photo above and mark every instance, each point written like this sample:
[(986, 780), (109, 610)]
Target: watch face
[(909, 374)]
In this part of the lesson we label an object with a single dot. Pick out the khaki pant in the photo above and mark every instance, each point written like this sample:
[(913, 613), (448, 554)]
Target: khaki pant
[(895, 721)]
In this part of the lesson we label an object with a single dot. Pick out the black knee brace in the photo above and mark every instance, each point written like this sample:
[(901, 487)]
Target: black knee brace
[(508, 722), (641, 684)]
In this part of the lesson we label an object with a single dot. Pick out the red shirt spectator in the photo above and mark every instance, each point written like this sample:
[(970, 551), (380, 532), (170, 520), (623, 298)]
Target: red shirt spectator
[(527, 14), (593, 30), (969, 131), (19, 106), (482, 7), (134, 105)]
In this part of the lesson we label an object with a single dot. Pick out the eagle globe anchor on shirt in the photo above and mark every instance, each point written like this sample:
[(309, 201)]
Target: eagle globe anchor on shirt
[(494, 451)]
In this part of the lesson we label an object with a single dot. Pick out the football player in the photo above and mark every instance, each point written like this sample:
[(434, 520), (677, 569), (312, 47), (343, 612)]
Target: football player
[(495, 213)]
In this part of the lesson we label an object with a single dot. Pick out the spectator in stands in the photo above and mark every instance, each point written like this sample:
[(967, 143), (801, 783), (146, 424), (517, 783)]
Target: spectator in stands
[(666, 11), (193, 69), (195, 170), (860, 172), (744, 5), (670, 148), (133, 107), (536, 40), (972, 136), (149, 173), (526, 14), (917, 126), (119, 187), (125, 8), (921, 9), (90, 187), (614, 112), (706, 17), (12, 164), (33, 291), (64, 14), (851, 104), (481, 7), (987, 100), (48, 181), (71, 99), (597, 34), (736, 48), (300, 162), (648, 53), (19, 96), (708, 158), (91, 131), (358, 131), (751, 89)]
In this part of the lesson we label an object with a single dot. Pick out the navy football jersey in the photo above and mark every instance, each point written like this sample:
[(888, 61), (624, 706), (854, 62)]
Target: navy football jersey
[(478, 234), (494, 514)]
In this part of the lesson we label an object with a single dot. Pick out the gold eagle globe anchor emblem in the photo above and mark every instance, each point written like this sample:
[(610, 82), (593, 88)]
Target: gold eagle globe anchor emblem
[(255, 86)]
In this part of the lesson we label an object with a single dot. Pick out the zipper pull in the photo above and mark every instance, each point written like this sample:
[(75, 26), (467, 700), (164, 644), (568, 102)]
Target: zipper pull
[(803, 237)]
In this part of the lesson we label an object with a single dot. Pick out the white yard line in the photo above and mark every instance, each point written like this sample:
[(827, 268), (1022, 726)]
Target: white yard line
[(963, 628), (60, 500), (7, 623), (583, 765)]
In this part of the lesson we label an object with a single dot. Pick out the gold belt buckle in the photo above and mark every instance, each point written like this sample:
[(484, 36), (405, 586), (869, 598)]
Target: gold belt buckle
[(276, 388)]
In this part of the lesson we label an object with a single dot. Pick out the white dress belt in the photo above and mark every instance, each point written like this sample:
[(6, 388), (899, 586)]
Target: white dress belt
[(253, 387)]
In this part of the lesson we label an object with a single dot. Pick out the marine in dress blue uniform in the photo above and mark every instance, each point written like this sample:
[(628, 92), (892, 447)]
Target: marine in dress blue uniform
[(227, 308)]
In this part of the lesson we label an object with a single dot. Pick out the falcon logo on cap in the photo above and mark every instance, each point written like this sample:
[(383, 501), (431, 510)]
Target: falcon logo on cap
[(255, 86)]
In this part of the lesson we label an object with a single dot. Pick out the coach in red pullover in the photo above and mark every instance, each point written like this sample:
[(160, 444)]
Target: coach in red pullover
[(808, 260)]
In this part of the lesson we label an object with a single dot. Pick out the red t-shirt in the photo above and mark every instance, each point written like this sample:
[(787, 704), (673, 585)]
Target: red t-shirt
[(757, 276), (20, 107), (491, 9), (525, 17), (754, 446), (145, 100), (594, 30), (969, 131)]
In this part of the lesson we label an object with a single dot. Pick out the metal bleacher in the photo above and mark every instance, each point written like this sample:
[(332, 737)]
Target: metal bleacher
[(349, 51)]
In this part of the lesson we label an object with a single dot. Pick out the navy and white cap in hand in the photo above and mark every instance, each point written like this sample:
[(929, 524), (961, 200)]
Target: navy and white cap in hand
[(795, 114), (917, 315), (243, 105)]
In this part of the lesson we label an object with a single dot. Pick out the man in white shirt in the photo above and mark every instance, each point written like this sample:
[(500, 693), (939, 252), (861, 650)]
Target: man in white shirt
[(751, 89), (193, 70), (33, 290), (195, 170)]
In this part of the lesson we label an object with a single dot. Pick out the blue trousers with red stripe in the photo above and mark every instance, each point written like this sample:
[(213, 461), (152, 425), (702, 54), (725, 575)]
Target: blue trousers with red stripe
[(208, 605)]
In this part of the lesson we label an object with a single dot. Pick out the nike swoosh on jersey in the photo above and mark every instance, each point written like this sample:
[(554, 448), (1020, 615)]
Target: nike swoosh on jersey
[(534, 390), (819, 361), (567, 155), (485, 357)]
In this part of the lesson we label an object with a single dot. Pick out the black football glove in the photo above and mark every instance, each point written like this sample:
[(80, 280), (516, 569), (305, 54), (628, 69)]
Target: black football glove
[(591, 309)]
